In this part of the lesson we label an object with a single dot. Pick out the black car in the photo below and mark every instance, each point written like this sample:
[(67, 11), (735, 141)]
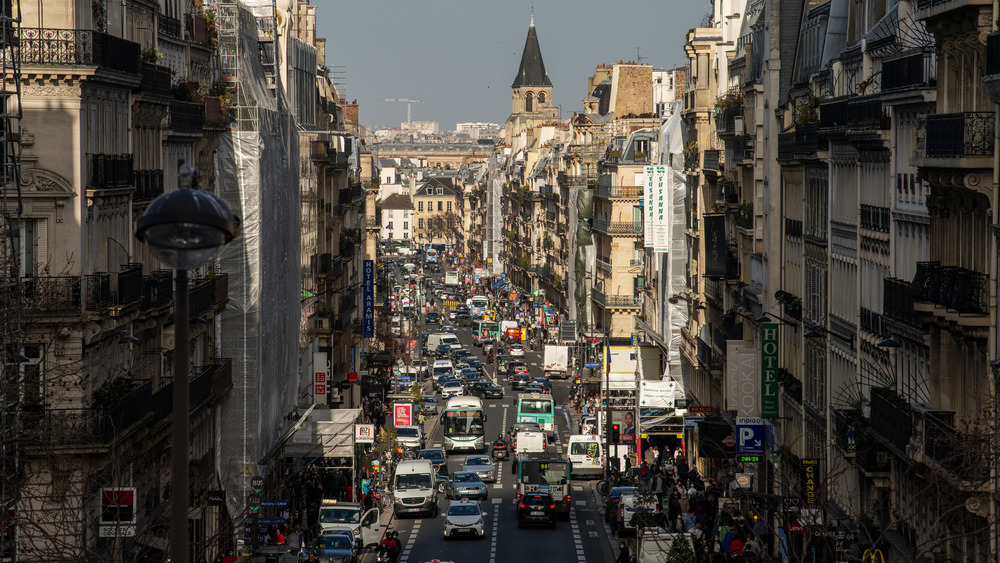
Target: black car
[(486, 390), (432, 318), (437, 458), (443, 350), (536, 508), (519, 381)]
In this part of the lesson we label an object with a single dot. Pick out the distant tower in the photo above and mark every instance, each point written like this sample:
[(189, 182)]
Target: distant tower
[(532, 89)]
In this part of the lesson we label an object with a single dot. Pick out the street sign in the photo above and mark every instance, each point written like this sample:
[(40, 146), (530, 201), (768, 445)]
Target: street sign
[(750, 435), (503, 275), (729, 441), (271, 521), (257, 484), (692, 421), (750, 458), (277, 503), (591, 364), (253, 502)]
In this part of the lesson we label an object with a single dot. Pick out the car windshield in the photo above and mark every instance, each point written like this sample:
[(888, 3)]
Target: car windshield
[(413, 481), (407, 432), (462, 477), (336, 542), (482, 460), (585, 448), (463, 510), (339, 516), (431, 455)]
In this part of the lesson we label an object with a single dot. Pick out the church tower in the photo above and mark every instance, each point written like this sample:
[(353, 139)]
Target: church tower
[(532, 89)]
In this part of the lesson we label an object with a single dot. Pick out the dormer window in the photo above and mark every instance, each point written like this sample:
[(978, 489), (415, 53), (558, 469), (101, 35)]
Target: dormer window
[(440, 191)]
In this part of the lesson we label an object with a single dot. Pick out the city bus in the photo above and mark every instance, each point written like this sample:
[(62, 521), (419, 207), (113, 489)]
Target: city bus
[(538, 408), (478, 304), (485, 330), (464, 424), (541, 472)]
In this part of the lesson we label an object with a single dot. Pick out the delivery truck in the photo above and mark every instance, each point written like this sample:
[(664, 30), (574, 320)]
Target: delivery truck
[(556, 361)]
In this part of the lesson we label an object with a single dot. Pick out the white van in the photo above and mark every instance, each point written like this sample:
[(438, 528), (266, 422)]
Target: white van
[(364, 524), (436, 339), (442, 367), (586, 457), (529, 441), (413, 488)]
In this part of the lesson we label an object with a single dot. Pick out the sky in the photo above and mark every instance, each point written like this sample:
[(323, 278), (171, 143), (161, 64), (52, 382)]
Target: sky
[(460, 56)]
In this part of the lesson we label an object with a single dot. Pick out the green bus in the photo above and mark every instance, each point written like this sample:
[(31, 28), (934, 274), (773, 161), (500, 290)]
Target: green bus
[(538, 408), (541, 472), (485, 330), (464, 425)]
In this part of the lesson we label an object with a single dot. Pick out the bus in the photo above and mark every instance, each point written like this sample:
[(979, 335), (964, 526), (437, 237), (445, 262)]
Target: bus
[(542, 472), (538, 408), (478, 304), (464, 425), (485, 330)]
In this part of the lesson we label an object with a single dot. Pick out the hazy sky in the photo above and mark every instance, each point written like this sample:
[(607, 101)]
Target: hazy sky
[(460, 56)]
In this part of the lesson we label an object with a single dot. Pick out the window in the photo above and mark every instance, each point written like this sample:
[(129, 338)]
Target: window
[(440, 206), (528, 102), (406, 225), (449, 206), (390, 213), (440, 191), (541, 97), (420, 223), (406, 213), (420, 206)]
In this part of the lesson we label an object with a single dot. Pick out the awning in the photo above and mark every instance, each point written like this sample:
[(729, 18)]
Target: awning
[(652, 334)]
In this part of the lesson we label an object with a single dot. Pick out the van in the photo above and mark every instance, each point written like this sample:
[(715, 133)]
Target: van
[(436, 339), (413, 488), (586, 457), (442, 367), (529, 441)]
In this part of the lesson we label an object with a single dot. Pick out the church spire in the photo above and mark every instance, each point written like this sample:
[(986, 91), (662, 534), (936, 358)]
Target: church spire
[(532, 69)]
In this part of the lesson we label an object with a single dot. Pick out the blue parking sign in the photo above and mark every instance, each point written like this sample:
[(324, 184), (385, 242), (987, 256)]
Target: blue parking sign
[(749, 435)]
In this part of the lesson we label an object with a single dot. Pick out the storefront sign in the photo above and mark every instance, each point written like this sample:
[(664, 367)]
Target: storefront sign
[(364, 433), (715, 244), (769, 370), (321, 378), (368, 293), (810, 470)]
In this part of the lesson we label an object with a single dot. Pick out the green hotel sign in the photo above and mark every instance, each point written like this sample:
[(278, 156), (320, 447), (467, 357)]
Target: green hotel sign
[(769, 370)]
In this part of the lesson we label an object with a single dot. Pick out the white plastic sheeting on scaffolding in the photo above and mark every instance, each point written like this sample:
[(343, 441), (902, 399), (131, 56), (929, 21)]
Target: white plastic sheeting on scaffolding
[(673, 263), (257, 174)]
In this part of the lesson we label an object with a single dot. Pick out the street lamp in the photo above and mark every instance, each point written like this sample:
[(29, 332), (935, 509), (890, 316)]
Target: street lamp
[(185, 229)]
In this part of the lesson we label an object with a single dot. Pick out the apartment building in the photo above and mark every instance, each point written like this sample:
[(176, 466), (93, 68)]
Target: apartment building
[(438, 213), (397, 218)]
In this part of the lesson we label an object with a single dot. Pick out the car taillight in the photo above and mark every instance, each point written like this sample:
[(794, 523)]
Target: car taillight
[(552, 507), (566, 499), (522, 505), (518, 495)]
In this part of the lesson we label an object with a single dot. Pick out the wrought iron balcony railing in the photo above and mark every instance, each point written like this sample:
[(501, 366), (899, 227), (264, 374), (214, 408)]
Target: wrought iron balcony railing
[(157, 289), (220, 289), (207, 383), (111, 171), (907, 71), (873, 323), (98, 291), (961, 453), (202, 297), (712, 160), (148, 185), (155, 79), (53, 294), (833, 114), (186, 116), (963, 134), (83, 47), (950, 286), (898, 304), (617, 227), (171, 27), (875, 218), (793, 228), (128, 286), (615, 300)]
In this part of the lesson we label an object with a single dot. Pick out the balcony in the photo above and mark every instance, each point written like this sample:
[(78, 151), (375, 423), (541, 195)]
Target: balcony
[(725, 120), (915, 69), (197, 27), (207, 383), (786, 146), (793, 228), (875, 218), (170, 27), (53, 294), (951, 287), (155, 80), (625, 192), (111, 171), (691, 160), (201, 298), (82, 47), (845, 429), (833, 114), (961, 453), (157, 289), (148, 185), (808, 139), (898, 305), (873, 323), (127, 285), (213, 110), (891, 417), (220, 289), (963, 134), (186, 117), (604, 263), (98, 288), (617, 227), (743, 146), (866, 112), (615, 300), (53, 428)]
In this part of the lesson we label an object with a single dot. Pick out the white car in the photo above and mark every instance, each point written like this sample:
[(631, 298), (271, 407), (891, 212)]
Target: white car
[(516, 351), (453, 387), (482, 466), (464, 518)]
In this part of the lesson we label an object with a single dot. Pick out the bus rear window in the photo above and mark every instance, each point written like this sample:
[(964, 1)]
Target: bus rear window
[(529, 406)]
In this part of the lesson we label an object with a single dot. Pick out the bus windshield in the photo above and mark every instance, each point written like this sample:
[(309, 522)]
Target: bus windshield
[(535, 406), (543, 472), (463, 423)]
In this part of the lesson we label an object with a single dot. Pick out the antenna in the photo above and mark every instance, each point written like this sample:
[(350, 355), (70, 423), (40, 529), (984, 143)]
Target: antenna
[(638, 59)]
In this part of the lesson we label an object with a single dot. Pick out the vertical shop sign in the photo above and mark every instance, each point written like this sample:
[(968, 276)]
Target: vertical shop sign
[(369, 297), (769, 370)]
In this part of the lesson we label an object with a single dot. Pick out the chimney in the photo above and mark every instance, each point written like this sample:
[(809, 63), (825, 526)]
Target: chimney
[(413, 185), (351, 112)]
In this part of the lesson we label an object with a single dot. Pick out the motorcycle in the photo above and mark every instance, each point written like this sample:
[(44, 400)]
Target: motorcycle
[(381, 499), (500, 450)]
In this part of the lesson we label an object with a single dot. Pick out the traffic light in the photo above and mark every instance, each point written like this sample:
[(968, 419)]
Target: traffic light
[(615, 433)]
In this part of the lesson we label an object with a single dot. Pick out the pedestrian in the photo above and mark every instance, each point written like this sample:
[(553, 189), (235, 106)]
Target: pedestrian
[(623, 554)]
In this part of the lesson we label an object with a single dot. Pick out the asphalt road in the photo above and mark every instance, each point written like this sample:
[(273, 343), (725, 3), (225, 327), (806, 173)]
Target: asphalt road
[(581, 538)]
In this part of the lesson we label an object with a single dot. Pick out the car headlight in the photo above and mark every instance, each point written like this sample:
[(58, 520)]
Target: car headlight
[(430, 498)]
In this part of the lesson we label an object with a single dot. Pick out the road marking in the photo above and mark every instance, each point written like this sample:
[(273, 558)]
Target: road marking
[(581, 503), (497, 501)]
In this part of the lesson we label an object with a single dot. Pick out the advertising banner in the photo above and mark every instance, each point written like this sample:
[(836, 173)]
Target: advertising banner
[(646, 181), (733, 348), (657, 394), (368, 293), (364, 433), (321, 378), (769, 370), (715, 245), (402, 414), (748, 393)]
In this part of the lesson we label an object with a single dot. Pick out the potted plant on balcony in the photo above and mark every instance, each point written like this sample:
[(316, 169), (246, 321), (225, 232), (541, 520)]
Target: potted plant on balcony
[(150, 55)]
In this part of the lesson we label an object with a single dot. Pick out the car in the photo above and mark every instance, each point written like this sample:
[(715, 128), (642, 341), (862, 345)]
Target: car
[(482, 466), (534, 387), (448, 328), (432, 318), (442, 379), (430, 405), (469, 373), (453, 387), (486, 390), (502, 361), (536, 508), (437, 457), (461, 354), (442, 350), (519, 381), (335, 547), (545, 383), (516, 351), (475, 362), (464, 517), (487, 346), (465, 485), (410, 437), (615, 497)]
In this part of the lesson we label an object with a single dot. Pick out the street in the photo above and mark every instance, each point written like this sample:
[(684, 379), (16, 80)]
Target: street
[(582, 538)]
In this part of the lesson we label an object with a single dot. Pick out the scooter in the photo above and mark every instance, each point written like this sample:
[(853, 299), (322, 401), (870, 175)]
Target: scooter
[(500, 450)]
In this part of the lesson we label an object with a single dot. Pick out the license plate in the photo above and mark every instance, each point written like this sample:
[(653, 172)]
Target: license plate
[(537, 513), (543, 487)]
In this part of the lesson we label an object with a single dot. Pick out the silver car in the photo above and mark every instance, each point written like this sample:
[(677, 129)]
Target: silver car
[(482, 466), (465, 485)]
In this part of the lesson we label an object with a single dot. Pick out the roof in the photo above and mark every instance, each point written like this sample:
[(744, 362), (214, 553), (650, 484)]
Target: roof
[(397, 201), (532, 69), (387, 163), (446, 183)]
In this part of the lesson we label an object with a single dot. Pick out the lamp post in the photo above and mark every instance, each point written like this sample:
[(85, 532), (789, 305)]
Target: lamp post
[(185, 229)]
